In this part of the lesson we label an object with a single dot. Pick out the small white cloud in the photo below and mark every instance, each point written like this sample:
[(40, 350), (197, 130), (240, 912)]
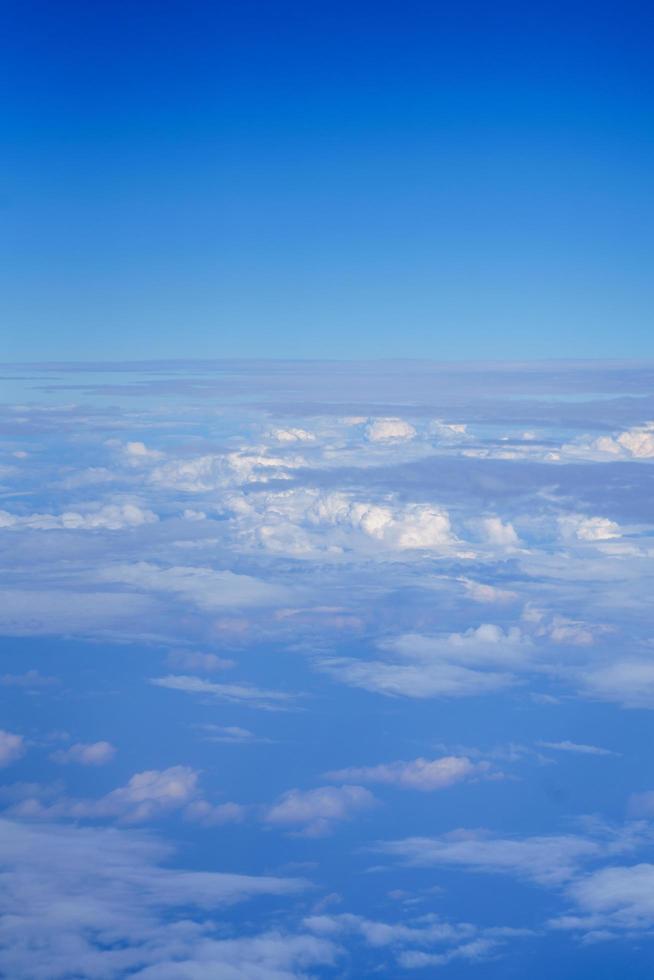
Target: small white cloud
[(316, 811), (243, 693), (499, 534), (292, 435), (576, 747), (421, 774), (86, 754), (389, 430), (577, 526), (12, 747), (110, 517)]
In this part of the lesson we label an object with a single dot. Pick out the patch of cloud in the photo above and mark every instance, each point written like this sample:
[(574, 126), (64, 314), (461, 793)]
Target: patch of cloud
[(101, 902), (316, 812), (389, 430), (86, 754), (12, 747), (576, 747), (200, 586), (549, 860), (238, 693), (290, 435), (109, 517), (421, 774), (581, 528)]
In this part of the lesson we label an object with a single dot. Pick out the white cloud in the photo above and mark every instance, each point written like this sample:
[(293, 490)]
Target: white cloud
[(110, 517), (86, 754), (614, 898), (629, 682), (12, 747), (577, 526), (389, 430), (634, 443), (292, 435), (98, 902), (576, 747), (420, 774), (499, 534), (316, 811), (239, 693), (547, 860), (146, 796), (206, 663), (482, 592), (424, 680), (203, 587), (138, 451), (305, 523)]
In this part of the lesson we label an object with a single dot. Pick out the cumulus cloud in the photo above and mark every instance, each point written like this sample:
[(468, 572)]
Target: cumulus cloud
[(315, 812), (421, 774), (389, 430), (86, 754), (634, 443), (305, 523), (146, 796), (577, 526), (292, 435)]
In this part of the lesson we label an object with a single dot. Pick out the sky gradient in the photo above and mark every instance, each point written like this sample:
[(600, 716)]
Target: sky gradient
[(327, 180)]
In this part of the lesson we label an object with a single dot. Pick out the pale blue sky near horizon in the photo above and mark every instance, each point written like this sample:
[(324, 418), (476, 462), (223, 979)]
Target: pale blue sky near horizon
[(339, 181)]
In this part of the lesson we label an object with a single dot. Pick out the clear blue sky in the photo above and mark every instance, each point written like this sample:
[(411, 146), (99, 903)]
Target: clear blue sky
[(387, 179)]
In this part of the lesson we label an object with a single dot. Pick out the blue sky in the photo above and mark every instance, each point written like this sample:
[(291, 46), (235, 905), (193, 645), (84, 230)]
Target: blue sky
[(327, 180), (326, 670)]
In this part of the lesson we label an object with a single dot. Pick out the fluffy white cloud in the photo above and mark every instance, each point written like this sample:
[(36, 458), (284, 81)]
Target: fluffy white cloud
[(146, 796), (584, 528), (634, 443), (86, 754), (389, 430), (12, 747), (421, 774), (499, 534), (292, 435), (316, 811), (305, 523)]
